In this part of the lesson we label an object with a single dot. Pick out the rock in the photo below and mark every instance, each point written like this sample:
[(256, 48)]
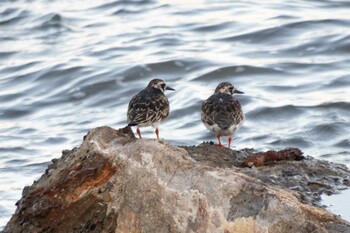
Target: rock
[(309, 177), (116, 183)]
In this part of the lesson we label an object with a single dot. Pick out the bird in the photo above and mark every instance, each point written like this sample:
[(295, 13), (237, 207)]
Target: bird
[(149, 107), (221, 113)]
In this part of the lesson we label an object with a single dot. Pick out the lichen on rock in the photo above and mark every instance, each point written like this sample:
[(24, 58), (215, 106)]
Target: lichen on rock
[(116, 183)]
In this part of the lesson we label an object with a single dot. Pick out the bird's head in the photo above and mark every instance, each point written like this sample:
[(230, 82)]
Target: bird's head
[(160, 85), (227, 88)]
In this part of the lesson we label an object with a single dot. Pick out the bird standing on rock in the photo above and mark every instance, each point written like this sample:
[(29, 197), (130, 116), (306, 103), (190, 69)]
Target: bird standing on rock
[(222, 113), (149, 107)]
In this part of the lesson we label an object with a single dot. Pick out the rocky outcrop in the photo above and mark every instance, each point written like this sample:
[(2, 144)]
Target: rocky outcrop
[(116, 183)]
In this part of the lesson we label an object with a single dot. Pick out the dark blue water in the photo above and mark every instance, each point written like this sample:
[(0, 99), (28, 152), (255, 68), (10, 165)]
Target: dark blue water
[(68, 66)]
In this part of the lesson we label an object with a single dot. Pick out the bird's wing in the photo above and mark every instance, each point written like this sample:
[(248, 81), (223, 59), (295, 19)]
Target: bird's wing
[(224, 111), (206, 113), (147, 108)]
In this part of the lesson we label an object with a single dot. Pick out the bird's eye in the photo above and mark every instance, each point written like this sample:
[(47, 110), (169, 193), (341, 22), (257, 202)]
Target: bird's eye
[(163, 85)]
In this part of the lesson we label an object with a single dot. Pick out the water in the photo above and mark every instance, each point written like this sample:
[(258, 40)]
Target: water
[(335, 204), (68, 66)]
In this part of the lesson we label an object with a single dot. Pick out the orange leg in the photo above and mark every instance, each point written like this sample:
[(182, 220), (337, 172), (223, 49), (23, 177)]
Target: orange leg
[(139, 133), (157, 133), (229, 141), (219, 141)]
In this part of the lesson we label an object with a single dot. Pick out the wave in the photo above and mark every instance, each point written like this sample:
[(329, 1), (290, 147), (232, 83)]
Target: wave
[(289, 30), (238, 70), (12, 16), (283, 113)]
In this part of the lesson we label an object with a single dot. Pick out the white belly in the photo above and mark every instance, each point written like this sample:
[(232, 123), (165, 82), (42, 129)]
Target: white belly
[(222, 132)]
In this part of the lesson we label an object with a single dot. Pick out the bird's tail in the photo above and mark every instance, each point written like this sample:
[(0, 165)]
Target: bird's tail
[(132, 123)]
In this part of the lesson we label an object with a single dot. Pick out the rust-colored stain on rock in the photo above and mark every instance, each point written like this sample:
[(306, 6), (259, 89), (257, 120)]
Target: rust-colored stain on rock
[(52, 202), (271, 156), (93, 177)]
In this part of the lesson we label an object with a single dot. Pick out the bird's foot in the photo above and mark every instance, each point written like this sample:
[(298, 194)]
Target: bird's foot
[(157, 134), (139, 133)]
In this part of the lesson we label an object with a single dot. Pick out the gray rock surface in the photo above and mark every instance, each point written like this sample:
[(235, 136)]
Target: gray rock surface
[(116, 183)]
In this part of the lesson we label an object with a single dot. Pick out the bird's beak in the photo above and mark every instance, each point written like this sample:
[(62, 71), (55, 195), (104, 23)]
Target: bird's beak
[(169, 88), (238, 92)]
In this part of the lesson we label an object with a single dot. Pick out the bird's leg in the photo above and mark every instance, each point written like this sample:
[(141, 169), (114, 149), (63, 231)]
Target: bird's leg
[(229, 141), (157, 133), (219, 141), (138, 132)]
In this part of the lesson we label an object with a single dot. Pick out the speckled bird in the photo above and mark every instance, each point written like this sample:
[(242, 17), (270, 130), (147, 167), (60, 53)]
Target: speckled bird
[(221, 113), (149, 107)]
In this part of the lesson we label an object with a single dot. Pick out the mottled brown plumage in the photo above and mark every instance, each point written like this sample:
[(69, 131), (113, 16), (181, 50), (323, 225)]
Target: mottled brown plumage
[(222, 113), (149, 107)]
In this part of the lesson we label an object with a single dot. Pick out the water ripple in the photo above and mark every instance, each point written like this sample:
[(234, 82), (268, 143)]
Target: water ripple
[(227, 72)]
